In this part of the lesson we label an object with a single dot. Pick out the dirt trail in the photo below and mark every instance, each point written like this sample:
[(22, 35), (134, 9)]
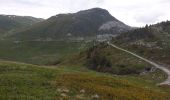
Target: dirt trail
[(166, 70)]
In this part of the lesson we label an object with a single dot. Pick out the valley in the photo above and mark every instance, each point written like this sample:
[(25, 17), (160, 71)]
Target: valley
[(86, 55), (39, 52)]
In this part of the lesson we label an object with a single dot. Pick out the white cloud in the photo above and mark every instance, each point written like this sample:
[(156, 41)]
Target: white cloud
[(132, 12)]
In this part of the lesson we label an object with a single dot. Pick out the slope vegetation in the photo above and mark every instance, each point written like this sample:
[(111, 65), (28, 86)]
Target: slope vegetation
[(104, 58), (39, 52), (24, 81)]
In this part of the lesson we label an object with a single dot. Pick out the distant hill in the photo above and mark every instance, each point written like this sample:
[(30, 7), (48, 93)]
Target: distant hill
[(87, 23), (150, 41), (12, 23), (148, 33)]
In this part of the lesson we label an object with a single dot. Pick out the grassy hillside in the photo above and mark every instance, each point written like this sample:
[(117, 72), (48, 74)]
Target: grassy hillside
[(152, 42), (24, 81), (104, 58), (39, 52)]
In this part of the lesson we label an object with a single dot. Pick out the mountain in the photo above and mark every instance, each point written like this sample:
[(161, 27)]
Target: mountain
[(87, 23), (12, 23)]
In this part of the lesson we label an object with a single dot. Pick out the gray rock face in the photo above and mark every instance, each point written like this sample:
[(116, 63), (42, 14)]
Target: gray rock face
[(114, 27), (112, 24)]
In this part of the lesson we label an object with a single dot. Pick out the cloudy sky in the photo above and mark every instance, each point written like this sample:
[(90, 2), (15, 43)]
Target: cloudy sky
[(131, 12)]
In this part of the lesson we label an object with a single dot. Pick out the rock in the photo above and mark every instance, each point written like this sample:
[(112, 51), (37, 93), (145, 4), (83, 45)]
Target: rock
[(96, 96), (63, 95), (65, 90), (79, 97), (82, 91), (59, 90)]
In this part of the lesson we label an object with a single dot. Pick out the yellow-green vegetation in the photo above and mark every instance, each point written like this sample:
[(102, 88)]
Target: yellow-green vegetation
[(30, 82), (105, 87), (25, 82)]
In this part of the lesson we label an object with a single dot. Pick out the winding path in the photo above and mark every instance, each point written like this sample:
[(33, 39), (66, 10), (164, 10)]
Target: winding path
[(166, 70)]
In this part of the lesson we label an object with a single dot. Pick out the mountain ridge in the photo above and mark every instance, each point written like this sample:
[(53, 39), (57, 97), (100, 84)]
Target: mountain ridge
[(11, 23), (84, 23)]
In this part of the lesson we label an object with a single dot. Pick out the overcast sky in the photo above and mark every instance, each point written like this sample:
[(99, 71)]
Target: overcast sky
[(131, 12)]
